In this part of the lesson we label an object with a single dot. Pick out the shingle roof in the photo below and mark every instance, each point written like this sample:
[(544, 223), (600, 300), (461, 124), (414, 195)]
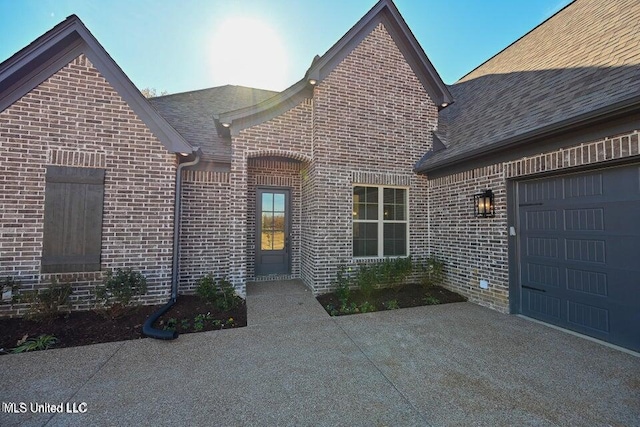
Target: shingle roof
[(583, 59), (191, 114)]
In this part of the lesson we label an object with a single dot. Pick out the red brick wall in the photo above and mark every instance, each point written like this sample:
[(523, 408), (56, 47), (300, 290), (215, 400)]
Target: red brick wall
[(472, 249), (372, 122), (286, 136), (477, 248), (204, 231), (75, 118), (369, 122)]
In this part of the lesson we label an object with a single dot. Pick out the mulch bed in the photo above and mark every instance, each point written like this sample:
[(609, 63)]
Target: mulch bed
[(90, 327), (411, 295)]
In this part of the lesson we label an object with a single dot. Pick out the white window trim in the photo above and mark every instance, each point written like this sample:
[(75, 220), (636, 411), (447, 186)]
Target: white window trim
[(380, 221)]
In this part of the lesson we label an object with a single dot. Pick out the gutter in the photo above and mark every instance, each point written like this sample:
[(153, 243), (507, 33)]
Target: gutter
[(148, 329), (592, 117)]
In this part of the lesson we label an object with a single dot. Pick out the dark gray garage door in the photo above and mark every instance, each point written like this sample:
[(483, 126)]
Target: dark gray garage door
[(579, 251)]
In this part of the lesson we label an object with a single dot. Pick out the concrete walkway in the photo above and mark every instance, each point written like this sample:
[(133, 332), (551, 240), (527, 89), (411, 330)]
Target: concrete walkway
[(455, 364)]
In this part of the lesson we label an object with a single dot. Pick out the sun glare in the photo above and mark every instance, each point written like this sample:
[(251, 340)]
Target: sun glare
[(248, 52)]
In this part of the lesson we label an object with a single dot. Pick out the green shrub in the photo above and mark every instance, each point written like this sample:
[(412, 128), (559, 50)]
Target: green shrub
[(43, 342), (392, 305), (119, 288), (343, 283), (227, 298), (394, 271), (366, 307), (432, 272), (206, 288), (48, 302), (171, 324), (199, 322), (220, 293), (368, 278), (431, 300)]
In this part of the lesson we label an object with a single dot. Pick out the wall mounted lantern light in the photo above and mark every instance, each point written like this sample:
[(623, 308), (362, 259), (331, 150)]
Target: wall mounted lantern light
[(483, 206)]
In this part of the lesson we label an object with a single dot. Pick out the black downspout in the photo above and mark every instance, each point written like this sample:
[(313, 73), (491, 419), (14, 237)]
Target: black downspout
[(148, 328)]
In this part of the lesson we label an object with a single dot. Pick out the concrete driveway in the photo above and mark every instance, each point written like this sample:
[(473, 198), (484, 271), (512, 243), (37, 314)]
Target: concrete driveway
[(455, 364)]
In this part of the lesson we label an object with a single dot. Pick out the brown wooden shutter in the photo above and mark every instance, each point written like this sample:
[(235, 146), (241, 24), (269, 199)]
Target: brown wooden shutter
[(72, 219)]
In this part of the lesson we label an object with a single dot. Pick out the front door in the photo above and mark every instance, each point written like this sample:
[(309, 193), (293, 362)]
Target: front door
[(272, 232)]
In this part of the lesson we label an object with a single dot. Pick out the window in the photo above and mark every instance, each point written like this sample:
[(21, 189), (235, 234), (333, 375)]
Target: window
[(380, 221), (72, 219)]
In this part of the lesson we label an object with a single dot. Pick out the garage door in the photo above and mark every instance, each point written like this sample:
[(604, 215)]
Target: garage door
[(579, 252)]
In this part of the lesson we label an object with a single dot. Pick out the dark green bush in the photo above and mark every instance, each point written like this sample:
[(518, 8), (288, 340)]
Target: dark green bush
[(220, 292), (432, 272), (48, 302), (119, 288), (368, 278), (343, 283)]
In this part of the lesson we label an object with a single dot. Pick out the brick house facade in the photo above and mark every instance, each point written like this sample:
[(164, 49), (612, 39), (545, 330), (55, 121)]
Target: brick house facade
[(551, 126), (64, 133), (291, 184), (76, 119)]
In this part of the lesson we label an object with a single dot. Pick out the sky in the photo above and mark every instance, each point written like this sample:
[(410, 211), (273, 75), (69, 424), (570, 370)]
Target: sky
[(181, 45)]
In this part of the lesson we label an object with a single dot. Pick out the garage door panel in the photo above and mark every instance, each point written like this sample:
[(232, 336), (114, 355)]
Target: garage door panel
[(585, 219), (546, 307), (539, 274), (583, 186), (579, 247), (588, 317), (541, 220), (540, 191), (587, 282), (542, 247)]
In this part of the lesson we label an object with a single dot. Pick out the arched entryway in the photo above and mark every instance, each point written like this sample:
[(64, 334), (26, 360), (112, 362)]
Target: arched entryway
[(274, 216)]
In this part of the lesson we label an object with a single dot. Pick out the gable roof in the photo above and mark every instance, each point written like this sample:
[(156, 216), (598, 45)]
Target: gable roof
[(55, 49), (191, 114), (384, 12), (581, 64)]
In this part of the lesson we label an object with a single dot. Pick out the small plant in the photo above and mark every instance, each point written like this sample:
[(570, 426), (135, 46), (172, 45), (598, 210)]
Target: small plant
[(216, 323), (432, 272), (367, 279), (332, 310), (119, 288), (185, 324), (43, 342), (366, 307), (46, 303), (199, 322), (206, 288), (392, 305), (402, 268), (343, 282), (230, 322), (431, 300), (171, 324), (393, 272), (227, 298), (350, 309), (220, 293)]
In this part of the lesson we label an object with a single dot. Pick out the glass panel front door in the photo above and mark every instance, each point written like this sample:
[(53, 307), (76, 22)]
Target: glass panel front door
[(272, 232)]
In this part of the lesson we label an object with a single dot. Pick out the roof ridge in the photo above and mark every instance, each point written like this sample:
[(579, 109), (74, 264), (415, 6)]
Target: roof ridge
[(213, 87)]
